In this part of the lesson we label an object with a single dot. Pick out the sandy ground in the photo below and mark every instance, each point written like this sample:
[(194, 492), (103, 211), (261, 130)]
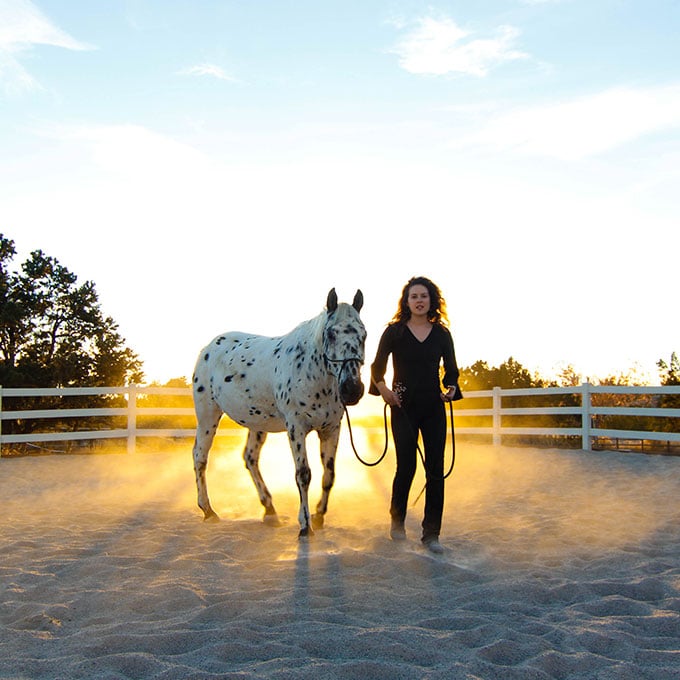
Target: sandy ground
[(557, 565)]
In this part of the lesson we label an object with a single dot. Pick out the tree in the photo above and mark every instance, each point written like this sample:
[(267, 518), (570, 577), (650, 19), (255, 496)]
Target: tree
[(52, 330), (53, 334), (670, 375), (569, 377), (509, 374)]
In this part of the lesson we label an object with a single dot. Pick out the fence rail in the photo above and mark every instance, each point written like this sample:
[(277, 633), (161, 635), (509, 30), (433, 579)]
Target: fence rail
[(498, 413)]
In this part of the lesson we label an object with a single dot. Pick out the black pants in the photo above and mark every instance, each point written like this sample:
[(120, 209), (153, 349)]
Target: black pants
[(428, 417)]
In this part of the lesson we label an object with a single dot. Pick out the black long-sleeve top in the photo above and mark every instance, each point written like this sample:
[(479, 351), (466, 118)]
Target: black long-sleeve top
[(415, 363)]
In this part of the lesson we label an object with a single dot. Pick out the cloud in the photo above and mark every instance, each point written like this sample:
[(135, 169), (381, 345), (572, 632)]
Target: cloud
[(14, 78), (582, 127), (440, 46), (141, 156), (22, 26), (207, 69)]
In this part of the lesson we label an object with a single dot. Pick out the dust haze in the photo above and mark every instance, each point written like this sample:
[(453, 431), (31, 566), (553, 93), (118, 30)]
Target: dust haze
[(503, 505)]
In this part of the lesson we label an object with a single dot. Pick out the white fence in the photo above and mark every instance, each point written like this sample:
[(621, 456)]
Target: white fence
[(586, 411)]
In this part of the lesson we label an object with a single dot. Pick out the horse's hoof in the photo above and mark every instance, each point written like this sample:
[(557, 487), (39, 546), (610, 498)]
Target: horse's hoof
[(317, 520), (306, 533), (272, 520), (210, 516)]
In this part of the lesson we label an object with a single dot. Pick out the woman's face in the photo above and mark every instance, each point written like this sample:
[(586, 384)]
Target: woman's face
[(418, 300)]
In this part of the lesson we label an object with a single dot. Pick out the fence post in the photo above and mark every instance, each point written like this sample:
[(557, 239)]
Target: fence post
[(585, 417), (132, 419), (496, 416)]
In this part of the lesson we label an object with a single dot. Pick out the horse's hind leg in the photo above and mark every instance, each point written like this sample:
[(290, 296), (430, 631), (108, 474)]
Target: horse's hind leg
[(208, 419), (251, 456), (329, 447)]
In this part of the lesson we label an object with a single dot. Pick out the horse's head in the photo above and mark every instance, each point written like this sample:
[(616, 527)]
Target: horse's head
[(344, 337)]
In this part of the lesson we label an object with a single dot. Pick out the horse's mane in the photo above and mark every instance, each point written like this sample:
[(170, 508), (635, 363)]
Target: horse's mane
[(312, 328)]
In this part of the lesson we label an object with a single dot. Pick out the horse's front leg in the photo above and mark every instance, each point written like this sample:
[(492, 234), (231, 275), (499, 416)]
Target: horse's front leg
[(303, 475), (251, 456), (329, 447)]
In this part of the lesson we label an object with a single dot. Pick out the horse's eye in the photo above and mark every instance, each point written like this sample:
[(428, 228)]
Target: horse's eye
[(330, 335)]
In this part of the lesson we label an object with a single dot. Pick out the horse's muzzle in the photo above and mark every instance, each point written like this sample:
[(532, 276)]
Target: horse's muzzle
[(351, 392)]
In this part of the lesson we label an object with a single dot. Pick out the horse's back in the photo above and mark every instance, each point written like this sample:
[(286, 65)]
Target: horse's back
[(235, 373)]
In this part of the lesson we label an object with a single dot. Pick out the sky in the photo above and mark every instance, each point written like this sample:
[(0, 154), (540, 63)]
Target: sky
[(220, 165)]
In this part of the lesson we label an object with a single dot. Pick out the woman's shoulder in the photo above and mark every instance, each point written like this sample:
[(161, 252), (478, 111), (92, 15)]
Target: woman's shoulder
[(443, 333), (394, 330)]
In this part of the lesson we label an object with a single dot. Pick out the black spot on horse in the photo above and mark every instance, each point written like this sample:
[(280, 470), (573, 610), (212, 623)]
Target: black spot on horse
[(201, 388), (228, 378), (207, 356), (305, 475)]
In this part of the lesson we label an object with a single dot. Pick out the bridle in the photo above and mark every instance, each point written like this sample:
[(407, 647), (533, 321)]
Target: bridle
[(343, 361)]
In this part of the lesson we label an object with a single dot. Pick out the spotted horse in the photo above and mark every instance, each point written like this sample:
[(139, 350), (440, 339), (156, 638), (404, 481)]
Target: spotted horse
[(296, 383)]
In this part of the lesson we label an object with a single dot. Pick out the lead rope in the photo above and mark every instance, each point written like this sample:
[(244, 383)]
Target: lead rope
[(422, 456), (351, 439)]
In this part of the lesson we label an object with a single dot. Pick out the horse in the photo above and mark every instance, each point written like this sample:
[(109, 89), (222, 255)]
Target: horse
[(296, 383)]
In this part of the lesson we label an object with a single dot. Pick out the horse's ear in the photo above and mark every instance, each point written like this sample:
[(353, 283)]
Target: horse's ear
[(332, 301), (358, 300)]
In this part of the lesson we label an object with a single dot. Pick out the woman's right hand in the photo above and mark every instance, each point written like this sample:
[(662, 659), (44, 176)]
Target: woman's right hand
[(390, 397)]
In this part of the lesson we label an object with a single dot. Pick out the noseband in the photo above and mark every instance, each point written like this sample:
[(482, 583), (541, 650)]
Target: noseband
[(342, 361)]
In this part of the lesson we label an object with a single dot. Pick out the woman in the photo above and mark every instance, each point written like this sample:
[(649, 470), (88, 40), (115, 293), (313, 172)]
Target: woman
[(419, 341)]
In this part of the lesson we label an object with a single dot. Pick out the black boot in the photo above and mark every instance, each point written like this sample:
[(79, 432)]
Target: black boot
[(397, 530)]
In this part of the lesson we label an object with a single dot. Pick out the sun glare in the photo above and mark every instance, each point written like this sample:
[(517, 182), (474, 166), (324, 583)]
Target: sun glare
[(228, 477)]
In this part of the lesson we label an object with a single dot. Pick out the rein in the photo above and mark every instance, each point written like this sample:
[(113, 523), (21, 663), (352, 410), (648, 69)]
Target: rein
[(345, 361), (422, 455), (354, 448)]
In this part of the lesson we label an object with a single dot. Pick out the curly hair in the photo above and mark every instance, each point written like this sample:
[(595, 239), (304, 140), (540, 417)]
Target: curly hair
[(437, 312)]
